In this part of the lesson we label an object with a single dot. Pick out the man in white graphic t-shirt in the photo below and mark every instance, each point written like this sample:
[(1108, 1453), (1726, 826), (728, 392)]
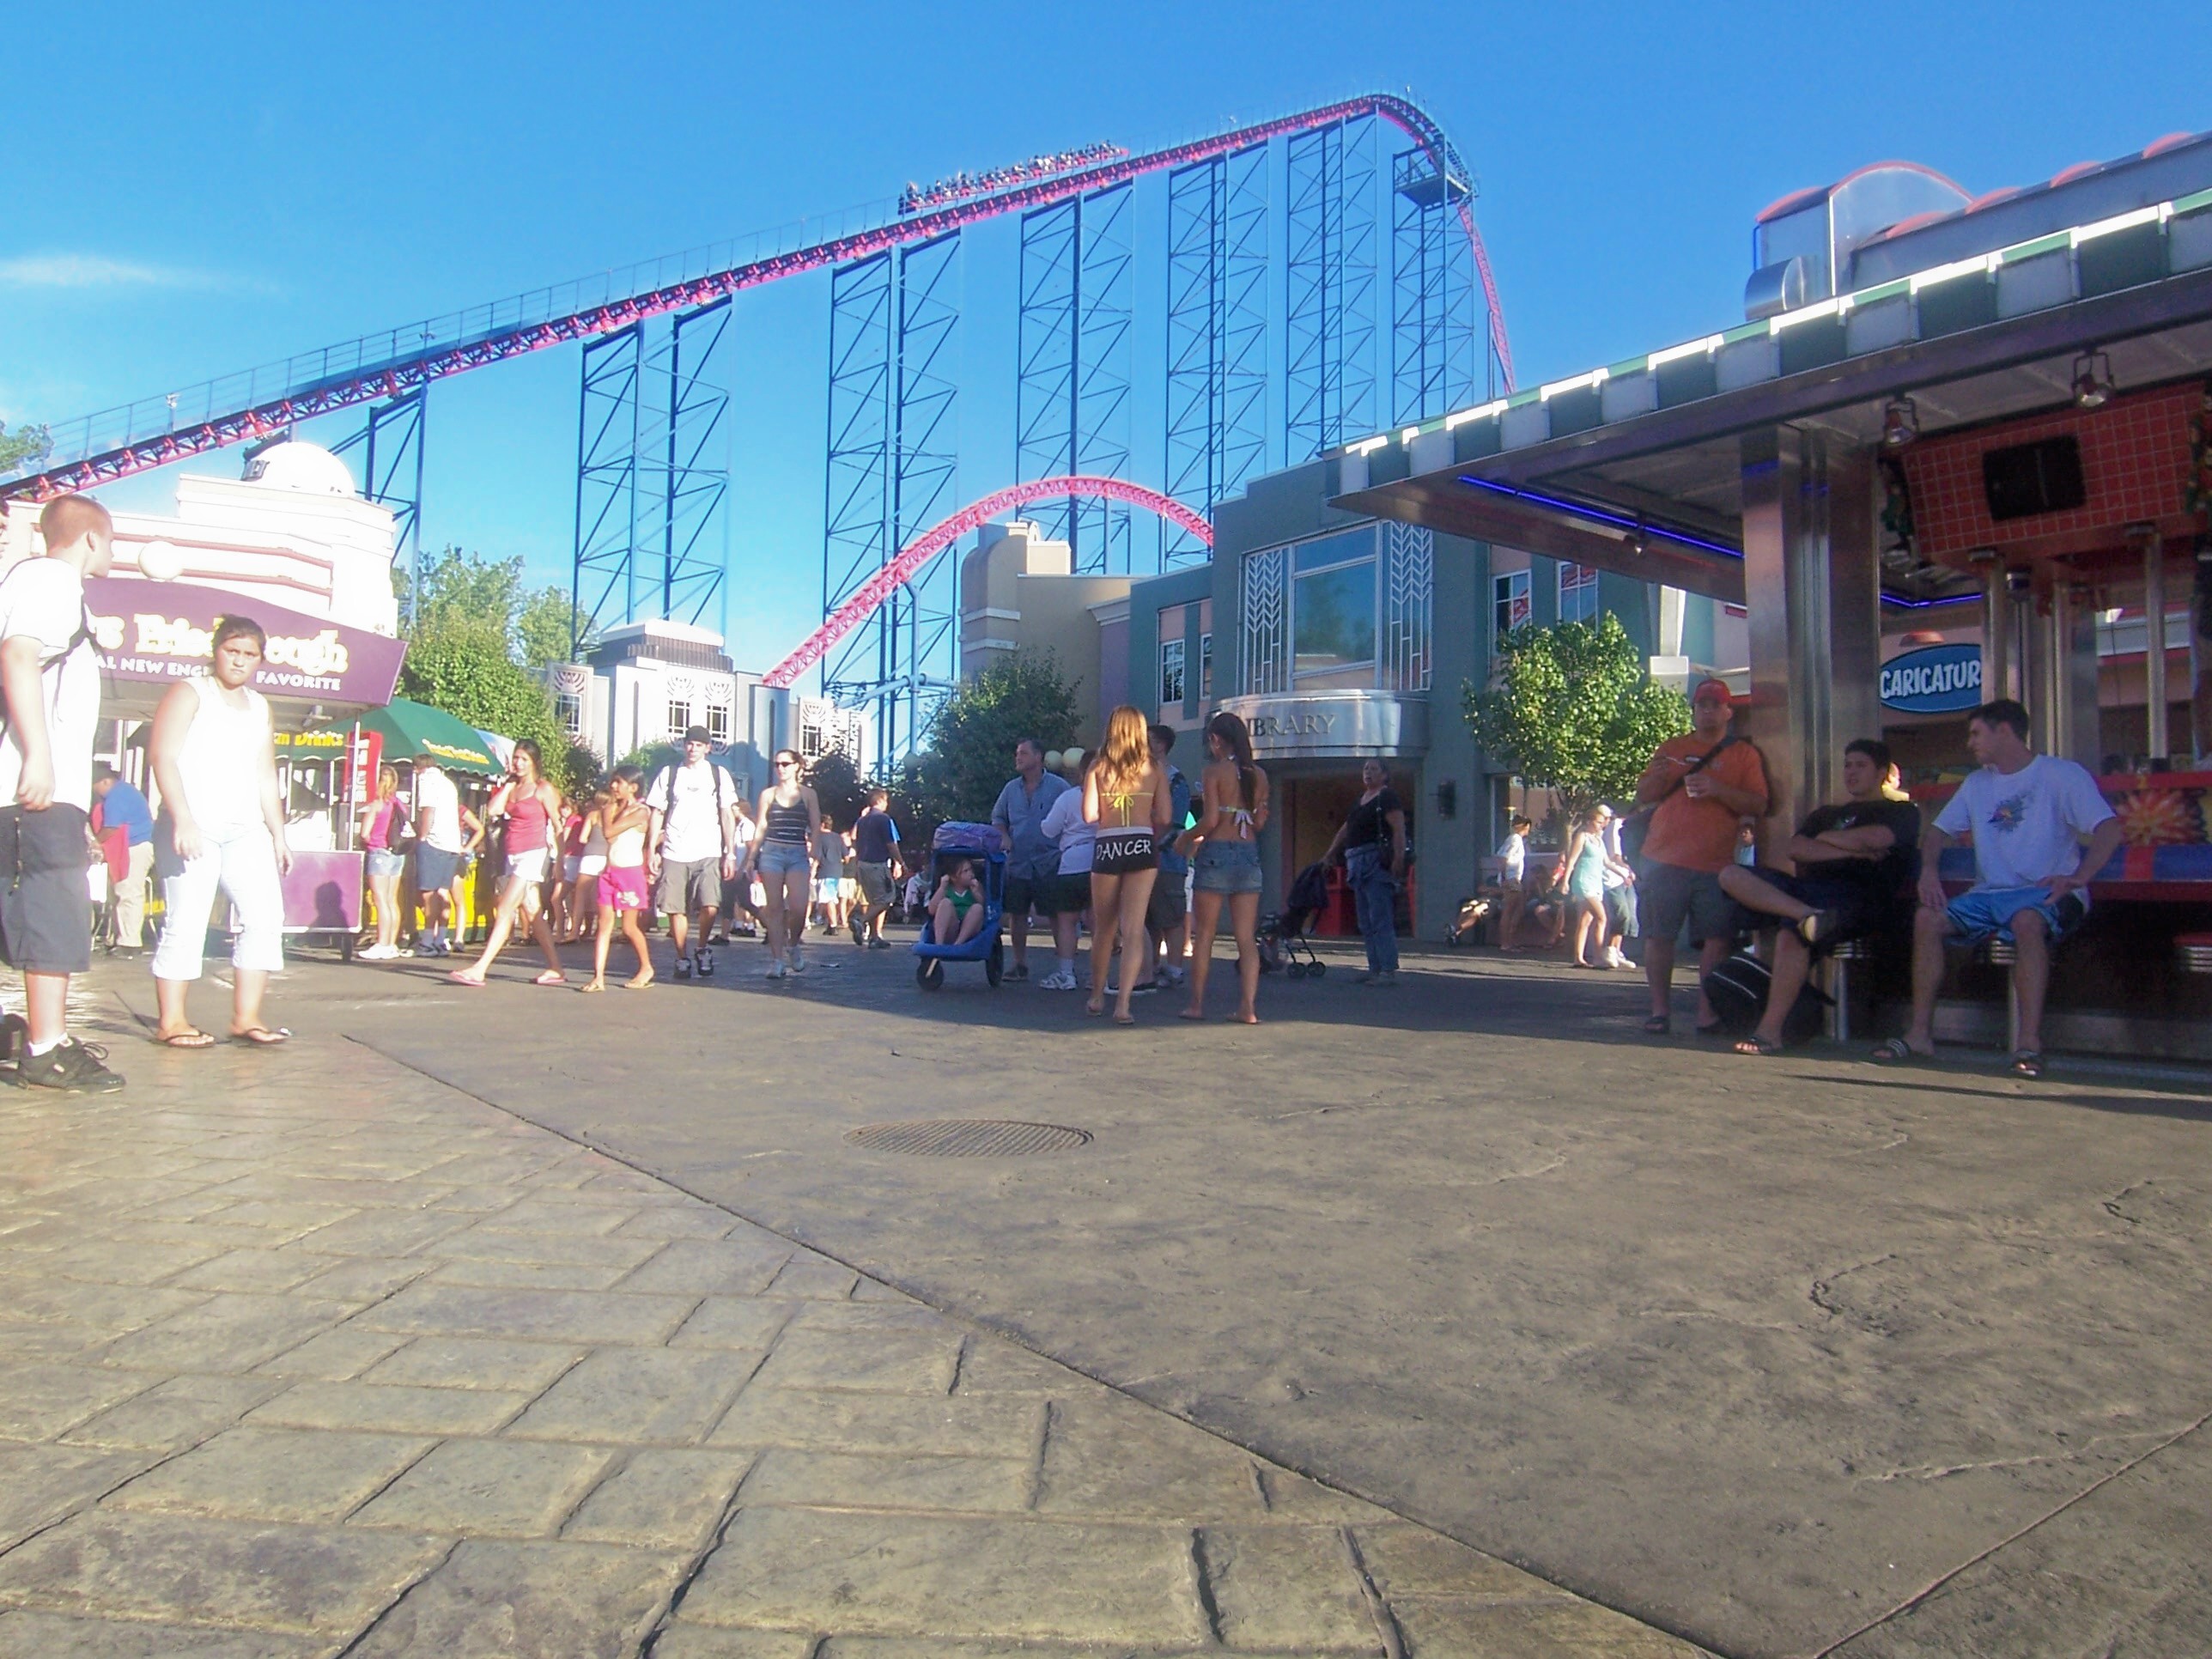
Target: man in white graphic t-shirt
[(2027, 814), (692, 845), (50, 697)]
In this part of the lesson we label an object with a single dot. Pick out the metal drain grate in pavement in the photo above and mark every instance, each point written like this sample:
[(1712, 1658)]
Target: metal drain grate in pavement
[(969, 1137)]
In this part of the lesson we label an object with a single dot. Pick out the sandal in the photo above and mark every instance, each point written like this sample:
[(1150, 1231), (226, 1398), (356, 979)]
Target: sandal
[(552, 976), (1658, 1026), (262, 1037), (590, 985), (1896, 1051), (1756, 1044), (462, 976), (1094, 1009), (2028, 1062), (1820, 925), (1125, 1020), (189, 1037)]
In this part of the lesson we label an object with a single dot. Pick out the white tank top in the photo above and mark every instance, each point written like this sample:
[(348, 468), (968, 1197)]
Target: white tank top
[(220, 764)]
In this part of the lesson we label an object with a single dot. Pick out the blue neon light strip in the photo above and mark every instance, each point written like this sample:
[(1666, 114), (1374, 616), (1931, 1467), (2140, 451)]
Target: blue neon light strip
[(1602, 517)]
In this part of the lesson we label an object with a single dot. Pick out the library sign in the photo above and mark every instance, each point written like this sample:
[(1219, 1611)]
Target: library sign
[(150, 631), (1938, 679)]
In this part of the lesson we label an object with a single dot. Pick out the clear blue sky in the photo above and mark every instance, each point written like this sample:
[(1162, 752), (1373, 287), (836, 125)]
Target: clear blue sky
[(193, 199)]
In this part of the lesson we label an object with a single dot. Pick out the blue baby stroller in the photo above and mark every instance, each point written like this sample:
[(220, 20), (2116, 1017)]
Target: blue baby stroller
[(979, 844)]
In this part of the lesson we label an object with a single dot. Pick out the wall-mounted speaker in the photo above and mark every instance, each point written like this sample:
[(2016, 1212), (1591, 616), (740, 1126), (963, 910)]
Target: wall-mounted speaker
[(2027, 479)]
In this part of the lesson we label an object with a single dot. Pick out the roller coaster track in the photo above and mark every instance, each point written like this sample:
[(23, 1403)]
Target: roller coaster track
[(922, 548), (153, 432)]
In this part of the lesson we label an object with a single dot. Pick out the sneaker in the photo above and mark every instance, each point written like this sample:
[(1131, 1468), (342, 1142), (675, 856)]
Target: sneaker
[(1175, 976), (1614, 959), (71, 1067), (683, 967), (706, 963), (880, 944), (775, 969), (379, 953), (1384, 980), (859, 929), (798, 961), (1057, 982)]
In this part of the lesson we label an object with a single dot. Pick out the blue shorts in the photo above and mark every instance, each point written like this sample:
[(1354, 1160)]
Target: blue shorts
[(780, 858), (1988, 911), (1228, 866), (384, 862), (435, 868)]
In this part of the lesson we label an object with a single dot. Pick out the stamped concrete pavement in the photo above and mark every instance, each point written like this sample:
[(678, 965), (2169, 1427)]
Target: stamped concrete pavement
[(303, 1352)]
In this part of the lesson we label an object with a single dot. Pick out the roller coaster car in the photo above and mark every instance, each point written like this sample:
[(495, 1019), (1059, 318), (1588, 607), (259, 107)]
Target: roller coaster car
[(979, 844)]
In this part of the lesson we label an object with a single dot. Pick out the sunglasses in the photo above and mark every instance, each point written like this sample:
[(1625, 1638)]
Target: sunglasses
[(782, 761)]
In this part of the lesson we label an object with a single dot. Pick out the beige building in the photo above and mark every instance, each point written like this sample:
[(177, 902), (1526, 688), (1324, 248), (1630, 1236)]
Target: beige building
[(1018, 592)]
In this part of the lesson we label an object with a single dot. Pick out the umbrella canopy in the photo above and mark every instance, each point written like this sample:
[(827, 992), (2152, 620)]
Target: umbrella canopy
[(413, 730)]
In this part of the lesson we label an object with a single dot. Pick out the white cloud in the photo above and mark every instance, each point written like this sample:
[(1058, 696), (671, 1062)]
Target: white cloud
[(82, 270)]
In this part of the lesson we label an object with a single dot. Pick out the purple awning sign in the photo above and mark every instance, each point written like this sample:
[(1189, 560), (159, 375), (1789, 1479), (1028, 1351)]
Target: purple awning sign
[(155, 633)]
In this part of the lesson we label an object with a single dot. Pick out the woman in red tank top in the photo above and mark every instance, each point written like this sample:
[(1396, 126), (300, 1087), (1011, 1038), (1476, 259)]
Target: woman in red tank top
[(530, 806)]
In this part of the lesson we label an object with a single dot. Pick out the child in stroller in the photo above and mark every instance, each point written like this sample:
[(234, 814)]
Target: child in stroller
[(967, 894), (1283, 942)]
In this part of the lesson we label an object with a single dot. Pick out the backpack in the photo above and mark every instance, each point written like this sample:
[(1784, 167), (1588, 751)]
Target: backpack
[(1738, 989)]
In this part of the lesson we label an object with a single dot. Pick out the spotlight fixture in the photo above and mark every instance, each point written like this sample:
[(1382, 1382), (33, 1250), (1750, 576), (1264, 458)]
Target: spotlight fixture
[(1900, 423), (1639, 540), (2092, 380)]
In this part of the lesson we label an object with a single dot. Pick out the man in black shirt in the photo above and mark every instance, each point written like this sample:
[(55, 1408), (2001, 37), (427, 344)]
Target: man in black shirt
[(1855, 864), (876, 847)]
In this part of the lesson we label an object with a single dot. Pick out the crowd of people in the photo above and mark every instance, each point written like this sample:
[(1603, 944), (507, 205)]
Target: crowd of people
[(1131, 849)]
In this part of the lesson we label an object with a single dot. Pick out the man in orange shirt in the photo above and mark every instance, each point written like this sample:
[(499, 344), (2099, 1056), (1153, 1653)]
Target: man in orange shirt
[(1703, 784)]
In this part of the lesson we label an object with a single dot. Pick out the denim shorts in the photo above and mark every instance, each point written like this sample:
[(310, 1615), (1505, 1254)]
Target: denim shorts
[(1227, 866), (780, 858), (1983, 911), (383, 862)]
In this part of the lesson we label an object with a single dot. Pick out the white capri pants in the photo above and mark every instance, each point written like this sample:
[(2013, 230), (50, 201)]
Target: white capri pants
[(241, 860)]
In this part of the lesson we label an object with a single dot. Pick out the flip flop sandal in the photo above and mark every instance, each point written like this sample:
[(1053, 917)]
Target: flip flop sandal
[(2028, 1062), (191, 1039), (550, 977), (1658, 1026), (263, 1036), (1125, 1020), (1820, 925), (1755, 1044), (589, 985), (1895, 1051), (462, 976)]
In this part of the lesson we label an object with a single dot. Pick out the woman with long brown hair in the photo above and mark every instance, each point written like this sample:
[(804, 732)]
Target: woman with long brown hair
[(1128, 798), (1226, 836), (531, 806), (383, 826), (786, 819)]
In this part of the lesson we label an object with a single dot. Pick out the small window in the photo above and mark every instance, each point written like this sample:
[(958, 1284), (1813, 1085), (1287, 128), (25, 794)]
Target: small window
[(718, 721), (570, 709), (1578, 592), (1172, 659), (809, 739), (679, 718), (1206, 665), (1511, 594)]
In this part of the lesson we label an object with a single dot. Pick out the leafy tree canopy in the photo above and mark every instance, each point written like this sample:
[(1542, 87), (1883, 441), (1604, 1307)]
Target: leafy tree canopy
[(972, 738), (1570, 707), (468, 592), (23, 449)]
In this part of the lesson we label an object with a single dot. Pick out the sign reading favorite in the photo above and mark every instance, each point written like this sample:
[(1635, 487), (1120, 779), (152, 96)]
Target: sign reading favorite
[(149, 630)]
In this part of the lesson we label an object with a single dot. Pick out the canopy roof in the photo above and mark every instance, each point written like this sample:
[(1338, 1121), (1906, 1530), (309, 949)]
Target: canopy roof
[(414, 731)]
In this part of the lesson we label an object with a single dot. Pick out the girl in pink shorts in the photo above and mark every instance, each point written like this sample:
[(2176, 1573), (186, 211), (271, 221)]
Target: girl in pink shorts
[(622, 886)]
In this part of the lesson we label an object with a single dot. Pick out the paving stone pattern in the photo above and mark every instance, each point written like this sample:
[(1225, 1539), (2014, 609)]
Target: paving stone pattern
[(301, 1354)]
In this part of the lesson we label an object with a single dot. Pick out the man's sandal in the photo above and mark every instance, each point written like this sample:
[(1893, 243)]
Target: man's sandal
[(2028, 1062), (1896, 1051), (1756, 1044)]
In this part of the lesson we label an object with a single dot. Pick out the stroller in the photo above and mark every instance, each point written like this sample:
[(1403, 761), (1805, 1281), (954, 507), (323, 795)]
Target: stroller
[(1283, 942), (979, 844)]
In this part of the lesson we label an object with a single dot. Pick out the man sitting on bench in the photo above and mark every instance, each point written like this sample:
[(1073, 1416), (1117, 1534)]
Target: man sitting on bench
[(1855, 865), (2026, 813)]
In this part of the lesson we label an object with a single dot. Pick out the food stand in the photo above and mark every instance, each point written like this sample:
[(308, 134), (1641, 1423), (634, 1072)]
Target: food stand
[(151, 634)]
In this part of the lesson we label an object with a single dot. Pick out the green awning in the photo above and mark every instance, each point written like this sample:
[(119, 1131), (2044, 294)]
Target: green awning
[(413, 730)]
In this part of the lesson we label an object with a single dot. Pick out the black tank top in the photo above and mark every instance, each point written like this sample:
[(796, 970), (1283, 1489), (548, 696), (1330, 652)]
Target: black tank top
[(787, 824)]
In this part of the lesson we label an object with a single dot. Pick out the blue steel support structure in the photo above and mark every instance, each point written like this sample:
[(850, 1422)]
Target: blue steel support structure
[(1072, 387), (391, 441), (894, 338), (652, 486), (1329, 280), (1434, 338), (1217, 335)]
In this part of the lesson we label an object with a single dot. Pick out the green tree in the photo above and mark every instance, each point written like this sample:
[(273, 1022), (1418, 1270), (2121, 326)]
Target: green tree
[(839, 786), (459, 588), (1570, 707), (24, 448), (972, 738), (541, 629)]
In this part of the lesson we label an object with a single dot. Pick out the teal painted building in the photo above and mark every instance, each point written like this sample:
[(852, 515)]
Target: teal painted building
[(1339, 637)]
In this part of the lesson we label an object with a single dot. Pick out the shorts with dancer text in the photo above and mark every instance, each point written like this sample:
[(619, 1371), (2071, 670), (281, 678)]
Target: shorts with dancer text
[(1123, 853)]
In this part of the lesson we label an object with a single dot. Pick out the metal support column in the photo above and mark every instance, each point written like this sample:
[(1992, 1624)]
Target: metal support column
[(603, 577), (2152, 547), (1329, 277), (1812, 580), (1217, 335), (1433, 338), (695, 480), (1072, 387), (392, 443)]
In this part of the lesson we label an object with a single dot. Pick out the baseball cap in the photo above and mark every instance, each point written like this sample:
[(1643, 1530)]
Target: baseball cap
[(1722, 686), (697, 734)]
